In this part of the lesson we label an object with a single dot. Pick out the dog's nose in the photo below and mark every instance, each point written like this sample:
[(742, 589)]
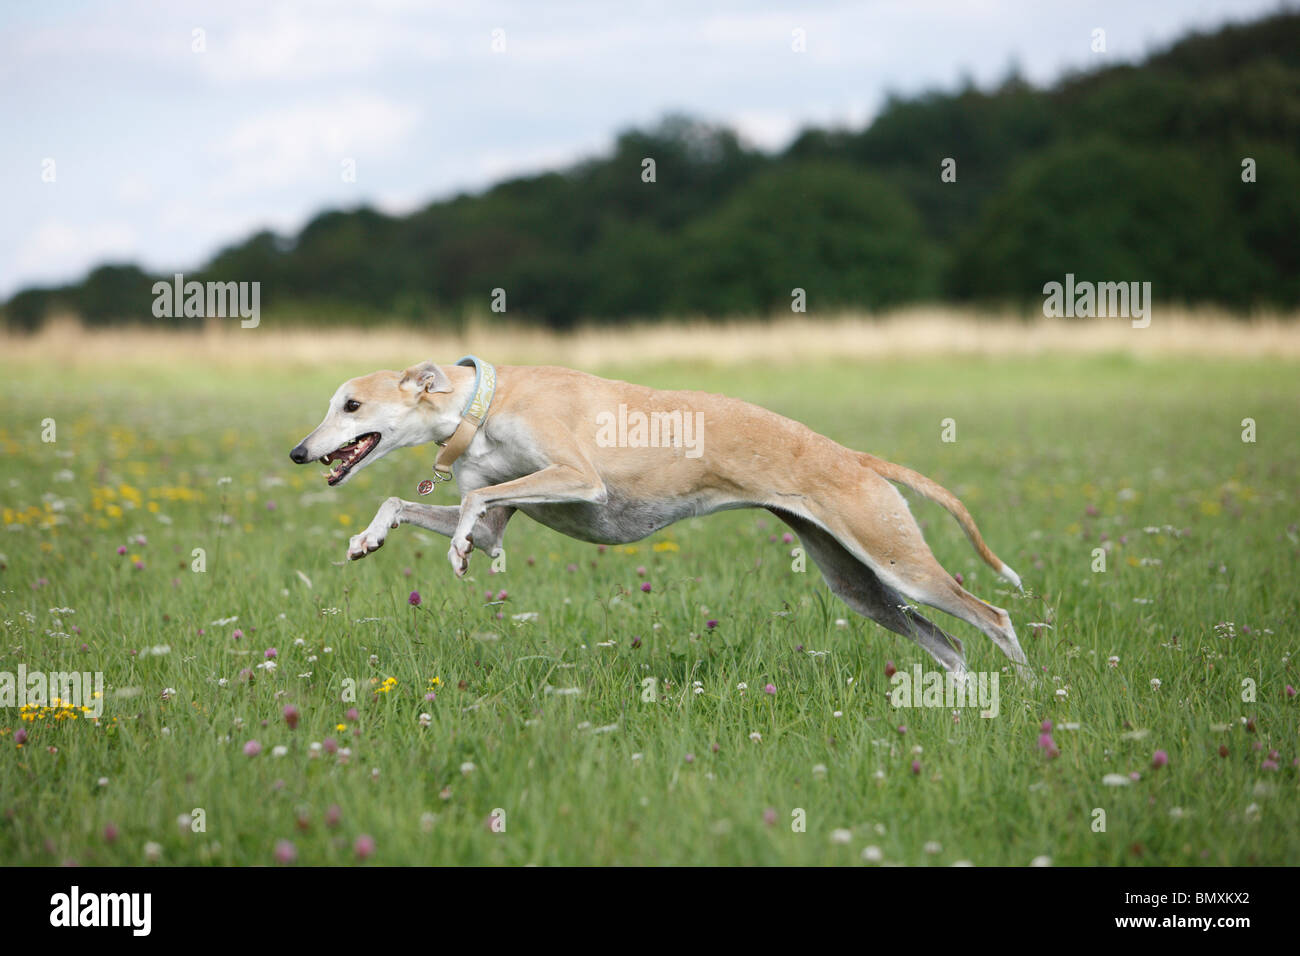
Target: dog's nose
[(298, 455)]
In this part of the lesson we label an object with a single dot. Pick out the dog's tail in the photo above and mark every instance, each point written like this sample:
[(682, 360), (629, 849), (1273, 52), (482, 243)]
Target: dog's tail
[(942, 496)]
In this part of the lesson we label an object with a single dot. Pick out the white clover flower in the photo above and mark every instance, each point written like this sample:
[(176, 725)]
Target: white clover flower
[(279, 751), (872, 854), (467, 768), (152, 852), (841, 835), (425, 720), (1155, 683), (756, 736)]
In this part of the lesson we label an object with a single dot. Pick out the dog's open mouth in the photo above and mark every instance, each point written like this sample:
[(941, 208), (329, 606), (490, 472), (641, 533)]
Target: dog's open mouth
[(346, 456)]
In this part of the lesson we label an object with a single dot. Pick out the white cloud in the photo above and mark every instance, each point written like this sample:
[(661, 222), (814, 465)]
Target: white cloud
[(56, 251)]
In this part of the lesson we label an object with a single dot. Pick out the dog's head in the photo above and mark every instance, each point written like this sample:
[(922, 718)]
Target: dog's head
[(370, 416)]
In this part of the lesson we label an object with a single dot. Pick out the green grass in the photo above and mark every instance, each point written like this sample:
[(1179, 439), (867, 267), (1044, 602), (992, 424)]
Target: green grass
[(1051, 455)]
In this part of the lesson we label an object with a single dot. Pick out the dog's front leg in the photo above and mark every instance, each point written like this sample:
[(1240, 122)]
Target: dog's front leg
[(554, 484), (490, 530)]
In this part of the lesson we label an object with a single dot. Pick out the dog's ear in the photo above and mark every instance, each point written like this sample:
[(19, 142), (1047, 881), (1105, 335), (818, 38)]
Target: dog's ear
[(426, 377)]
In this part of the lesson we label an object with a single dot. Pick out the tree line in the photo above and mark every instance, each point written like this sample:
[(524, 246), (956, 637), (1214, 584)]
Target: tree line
[(1180, 171)]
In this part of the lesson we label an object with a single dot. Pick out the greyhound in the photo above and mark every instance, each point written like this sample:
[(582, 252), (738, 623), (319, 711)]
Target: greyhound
[(610, 462)]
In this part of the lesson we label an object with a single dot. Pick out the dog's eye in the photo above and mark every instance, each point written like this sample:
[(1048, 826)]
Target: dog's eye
[(351, 405)]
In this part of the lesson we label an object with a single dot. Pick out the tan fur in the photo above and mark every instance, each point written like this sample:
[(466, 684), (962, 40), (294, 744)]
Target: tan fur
[(538, 452)]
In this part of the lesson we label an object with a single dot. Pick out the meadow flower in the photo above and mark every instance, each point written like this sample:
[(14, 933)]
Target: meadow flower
[(152, 852), (872, 854), (690, 758), (20, 736), (270, 653), (1155, 683), (756, 737), (110, 833), (1113, 660), (414, 599), (252, 748), (467, 768), (769, 689), (285, 852), (331, 745), (364, 847), (291, 716), (237, 633), (933, 847), (890, 669), (916, 767), (1041, 861), (425, 720), (645, 586), (333, 816), (841, 835), (1159, 759), (1048, 745), (1290, 691)]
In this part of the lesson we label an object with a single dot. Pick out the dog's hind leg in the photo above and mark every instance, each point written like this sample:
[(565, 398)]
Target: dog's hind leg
[(859, 587), (881, 526), (489, 530)]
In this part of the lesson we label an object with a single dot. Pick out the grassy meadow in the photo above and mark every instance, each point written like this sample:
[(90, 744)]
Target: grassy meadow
[(505, 719)]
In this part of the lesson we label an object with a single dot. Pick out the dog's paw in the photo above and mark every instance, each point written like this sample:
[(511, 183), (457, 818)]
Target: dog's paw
[(360, 545), (458, 554)]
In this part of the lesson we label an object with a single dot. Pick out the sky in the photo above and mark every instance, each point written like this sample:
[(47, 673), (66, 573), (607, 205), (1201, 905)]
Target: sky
[(159, 132)]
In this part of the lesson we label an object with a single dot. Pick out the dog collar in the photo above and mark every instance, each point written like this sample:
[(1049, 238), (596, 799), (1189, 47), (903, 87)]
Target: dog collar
[(472, 418)]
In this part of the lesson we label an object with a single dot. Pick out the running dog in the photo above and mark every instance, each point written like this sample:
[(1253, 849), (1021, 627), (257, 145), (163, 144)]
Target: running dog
[(610, 462)]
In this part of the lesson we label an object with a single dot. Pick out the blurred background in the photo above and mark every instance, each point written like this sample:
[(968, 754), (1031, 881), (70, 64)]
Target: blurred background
[(398, 163)]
